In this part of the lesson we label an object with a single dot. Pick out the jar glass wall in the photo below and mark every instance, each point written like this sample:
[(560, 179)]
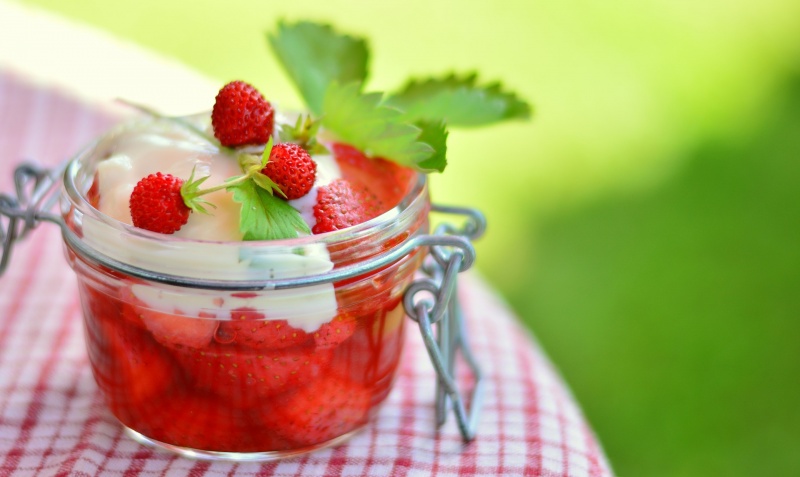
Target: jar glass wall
[(217, 349)]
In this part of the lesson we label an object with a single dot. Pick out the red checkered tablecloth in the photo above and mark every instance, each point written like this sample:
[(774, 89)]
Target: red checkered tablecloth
[(53, 421)]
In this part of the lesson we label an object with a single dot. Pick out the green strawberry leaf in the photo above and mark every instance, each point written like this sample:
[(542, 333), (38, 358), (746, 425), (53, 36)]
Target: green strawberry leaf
[(315, 55), (264, 216), (190, 193), (263, 181), (434, 134), (363, 121), (266, 153), (459, 101)]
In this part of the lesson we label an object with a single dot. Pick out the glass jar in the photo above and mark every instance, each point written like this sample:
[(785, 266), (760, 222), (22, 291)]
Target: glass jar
[(242, 350)]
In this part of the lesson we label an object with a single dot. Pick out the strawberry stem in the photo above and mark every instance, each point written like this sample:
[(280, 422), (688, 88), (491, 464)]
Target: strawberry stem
[(250, 165)]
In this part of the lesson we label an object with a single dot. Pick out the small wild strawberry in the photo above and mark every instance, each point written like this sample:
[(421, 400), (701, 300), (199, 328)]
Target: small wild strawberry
[(241, 115), (156, 204), (292, 169)]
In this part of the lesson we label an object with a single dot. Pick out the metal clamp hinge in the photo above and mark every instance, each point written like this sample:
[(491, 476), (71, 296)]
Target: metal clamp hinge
[(433, 303), (34, 187)]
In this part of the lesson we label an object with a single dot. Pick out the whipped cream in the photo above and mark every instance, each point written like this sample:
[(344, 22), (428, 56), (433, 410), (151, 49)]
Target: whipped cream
[(146, 148), (135, 151)]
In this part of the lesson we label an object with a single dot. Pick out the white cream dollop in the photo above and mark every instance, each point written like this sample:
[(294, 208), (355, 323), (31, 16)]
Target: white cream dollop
[(137, 153), (141, 149)]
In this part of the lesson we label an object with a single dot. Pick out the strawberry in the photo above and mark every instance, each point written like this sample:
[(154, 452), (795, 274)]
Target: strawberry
[(157, 205), (340, 205), (197, 422), (203, 422), (241, 115), (372, 354), (169, 329), (131, 368), (250, 328), (389, 181), (326, 408), (292, 168), (178, 330), (336, 331), (245, 376)]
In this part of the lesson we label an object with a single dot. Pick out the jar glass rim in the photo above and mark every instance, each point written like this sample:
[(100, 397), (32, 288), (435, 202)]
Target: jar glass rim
[(80, 213), (77, 198)]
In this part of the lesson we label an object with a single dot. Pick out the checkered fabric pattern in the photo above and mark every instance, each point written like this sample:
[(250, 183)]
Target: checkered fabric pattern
[(53, 420)]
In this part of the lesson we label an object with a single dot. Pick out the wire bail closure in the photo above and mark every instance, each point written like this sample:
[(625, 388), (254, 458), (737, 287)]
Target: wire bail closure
[(433, 303), (431, 300), (34, 187)]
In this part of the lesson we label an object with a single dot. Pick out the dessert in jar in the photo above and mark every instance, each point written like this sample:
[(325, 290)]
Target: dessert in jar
[(242, 271), (271, 372)]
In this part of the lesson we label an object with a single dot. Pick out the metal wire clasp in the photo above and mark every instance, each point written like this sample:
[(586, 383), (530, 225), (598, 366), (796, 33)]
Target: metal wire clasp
[(432, 301), (34, 187)]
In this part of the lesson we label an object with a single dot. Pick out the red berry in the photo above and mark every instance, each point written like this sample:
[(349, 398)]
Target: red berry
[(292, 168), (336, 331), (241, 115), (156, 204), (328, 407), (175, 329), (389, 181), (131, 368), (250, 328), (244, 377), (340, 205), (203, 422)]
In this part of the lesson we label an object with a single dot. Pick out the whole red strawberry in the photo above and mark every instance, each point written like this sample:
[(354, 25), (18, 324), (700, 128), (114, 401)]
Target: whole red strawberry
[(340, 205), (249, 328), (292, 168), (156, 204), (241, 115)]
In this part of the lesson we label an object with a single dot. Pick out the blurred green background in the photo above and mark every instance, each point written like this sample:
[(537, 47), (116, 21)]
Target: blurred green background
[(645, 224)]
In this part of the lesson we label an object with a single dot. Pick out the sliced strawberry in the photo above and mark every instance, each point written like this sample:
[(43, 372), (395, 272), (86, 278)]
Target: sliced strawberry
[(371, 356), (250, 328), (98, 304), (341, 205), (131, 368), (245, 376), (387, 180), (179, 330), (169, 329), (197, 422), (327, 408), (130, 307), (203, 422), (336, 331)]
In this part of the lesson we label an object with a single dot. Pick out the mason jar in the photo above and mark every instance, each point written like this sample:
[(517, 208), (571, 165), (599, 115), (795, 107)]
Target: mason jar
[(249, 350)]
